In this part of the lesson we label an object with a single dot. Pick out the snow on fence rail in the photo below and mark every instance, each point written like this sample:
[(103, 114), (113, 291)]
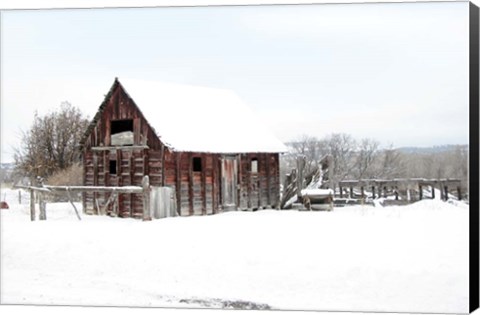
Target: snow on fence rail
[(39, 190)]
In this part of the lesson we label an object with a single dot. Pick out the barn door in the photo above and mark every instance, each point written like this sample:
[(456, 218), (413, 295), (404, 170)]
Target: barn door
[(229, 182)]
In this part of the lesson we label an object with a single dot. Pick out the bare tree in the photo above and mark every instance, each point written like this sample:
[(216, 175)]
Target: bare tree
[(341, 148), (391, 164), (51, 143), (367, 154)]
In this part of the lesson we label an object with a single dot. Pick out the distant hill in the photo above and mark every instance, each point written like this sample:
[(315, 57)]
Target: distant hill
[(434, 149), (7, 166)]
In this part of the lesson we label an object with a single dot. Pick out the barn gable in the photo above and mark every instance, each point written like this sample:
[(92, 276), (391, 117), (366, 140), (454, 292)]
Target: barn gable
[(119, 119)]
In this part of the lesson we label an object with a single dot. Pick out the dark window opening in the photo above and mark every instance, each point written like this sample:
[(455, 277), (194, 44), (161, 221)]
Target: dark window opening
[(113, 167), (197, 164), (254, 165), (121, 132)]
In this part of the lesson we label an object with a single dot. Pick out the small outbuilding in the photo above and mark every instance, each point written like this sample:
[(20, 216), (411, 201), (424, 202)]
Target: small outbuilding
[(203, 143)]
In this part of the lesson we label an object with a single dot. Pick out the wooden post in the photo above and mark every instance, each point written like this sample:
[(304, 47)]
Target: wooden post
[(362, 190), (433, 191), (385, 191), (95, 177), (41, 201), (267, 169), (445, 188), (178, 182), (249, 182), (459, 192), (420, 191), (341, 191), (190, 184), (162, 157), (146, 198), (396, 192), (132, 179), (373, 192), (71, 202), (351, 192), (300, 167), (41, 205), (204, 184), (32, 205)]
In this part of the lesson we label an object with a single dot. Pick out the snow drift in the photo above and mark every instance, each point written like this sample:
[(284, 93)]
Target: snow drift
[(400, 259)]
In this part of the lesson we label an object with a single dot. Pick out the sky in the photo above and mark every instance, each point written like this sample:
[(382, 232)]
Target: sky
[(393, 72)]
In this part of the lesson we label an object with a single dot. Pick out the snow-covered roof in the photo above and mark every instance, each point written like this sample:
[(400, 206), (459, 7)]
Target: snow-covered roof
[(201, 119)]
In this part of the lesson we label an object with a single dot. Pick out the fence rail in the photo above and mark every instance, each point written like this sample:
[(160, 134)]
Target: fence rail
[(39, 190)]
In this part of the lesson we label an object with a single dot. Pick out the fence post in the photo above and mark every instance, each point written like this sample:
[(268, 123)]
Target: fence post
[(32, 205), (41, 201), (301, 161), (146, 198)]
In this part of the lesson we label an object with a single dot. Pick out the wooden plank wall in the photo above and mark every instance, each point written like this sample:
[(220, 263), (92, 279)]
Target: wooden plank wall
[(130, 171), (198, 193), (260, 189)]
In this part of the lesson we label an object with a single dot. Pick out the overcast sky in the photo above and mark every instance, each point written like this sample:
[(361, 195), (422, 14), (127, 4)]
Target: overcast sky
[(395, 72)]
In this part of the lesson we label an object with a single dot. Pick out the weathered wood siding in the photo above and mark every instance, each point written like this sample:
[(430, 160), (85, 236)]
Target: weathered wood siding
[(119, 106), (197, 192), (132, 163)]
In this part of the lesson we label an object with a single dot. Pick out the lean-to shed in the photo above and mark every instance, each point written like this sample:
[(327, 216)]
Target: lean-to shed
[(204, 143)]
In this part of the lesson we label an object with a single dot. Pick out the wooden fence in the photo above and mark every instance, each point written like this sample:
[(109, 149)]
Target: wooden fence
[(400, 186), (162, 205)]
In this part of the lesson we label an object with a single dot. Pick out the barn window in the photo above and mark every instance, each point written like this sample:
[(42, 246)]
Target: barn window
[(113, 167), (121, 132), (254, 165), (197, 164)]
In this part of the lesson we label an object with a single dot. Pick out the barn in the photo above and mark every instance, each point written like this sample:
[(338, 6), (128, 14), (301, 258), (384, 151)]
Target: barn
[(203, 143)]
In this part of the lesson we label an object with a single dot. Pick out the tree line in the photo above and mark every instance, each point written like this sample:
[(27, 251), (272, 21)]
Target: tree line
[(352, 159)]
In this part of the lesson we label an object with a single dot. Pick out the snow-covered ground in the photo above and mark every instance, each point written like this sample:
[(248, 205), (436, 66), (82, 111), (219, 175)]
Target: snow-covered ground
[(361, 258)]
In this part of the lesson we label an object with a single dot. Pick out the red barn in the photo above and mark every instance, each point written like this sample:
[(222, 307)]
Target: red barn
[(204, 143)]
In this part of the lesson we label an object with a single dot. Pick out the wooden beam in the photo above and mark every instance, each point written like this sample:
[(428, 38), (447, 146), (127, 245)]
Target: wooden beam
[(106, 168), (162, 157), (190, 184), (204, 188), (32, 205), (119, 180), (238, 184), (214, 197), (267, 171), (132, 177), (249, 181), (125, 148), (117, 189), (178, 182), (146, 198)]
